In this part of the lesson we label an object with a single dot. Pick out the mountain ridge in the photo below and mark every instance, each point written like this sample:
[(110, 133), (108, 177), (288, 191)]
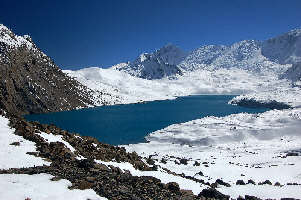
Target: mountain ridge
[(272, 55), (31, 82)]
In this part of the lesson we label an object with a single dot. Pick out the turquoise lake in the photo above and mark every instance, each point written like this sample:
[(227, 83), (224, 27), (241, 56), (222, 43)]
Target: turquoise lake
[(128, 124)]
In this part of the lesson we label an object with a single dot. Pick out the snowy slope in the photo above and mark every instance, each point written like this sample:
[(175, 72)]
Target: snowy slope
[(17, 154), (14, 41), (40, 187), (156, 65), (236, 147), (293, 73), (284, 49), (243, 55), (122, 88)]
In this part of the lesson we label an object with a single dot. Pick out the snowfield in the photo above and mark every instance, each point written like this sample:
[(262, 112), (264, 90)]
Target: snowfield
[(124, 88), (237, 147), (39, 186)]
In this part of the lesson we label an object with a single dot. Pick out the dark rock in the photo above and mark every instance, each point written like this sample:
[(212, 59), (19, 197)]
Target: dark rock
[(101, 167), (32, 153), (248, 197), (240, 182), (83, 185), (200, 173), (292, 154), (15, 144), (56, 178), (184, 161), (221, 182), (196, 163), (251, 103), (150, 161), (173, 186), (164, 161), (85, 163), (265, 182), (213, 193), (251, 182)]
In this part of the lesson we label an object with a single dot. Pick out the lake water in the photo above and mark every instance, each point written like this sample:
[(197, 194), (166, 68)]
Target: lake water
[(128, 124)]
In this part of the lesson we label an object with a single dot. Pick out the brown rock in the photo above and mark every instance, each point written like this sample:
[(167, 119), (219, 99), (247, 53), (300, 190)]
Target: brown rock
[(83, 185)]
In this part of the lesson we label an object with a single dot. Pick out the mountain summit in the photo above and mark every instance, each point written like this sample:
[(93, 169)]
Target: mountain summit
[(159, 64)]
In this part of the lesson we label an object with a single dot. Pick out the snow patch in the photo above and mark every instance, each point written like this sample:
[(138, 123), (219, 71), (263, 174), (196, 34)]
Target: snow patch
[(12, 156), (40, 187)]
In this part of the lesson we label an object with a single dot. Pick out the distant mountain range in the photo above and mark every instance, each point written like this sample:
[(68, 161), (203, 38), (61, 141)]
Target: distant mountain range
[(256, 56)]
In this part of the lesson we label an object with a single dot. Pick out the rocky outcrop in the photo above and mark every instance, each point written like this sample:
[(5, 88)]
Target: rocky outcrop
[(253, 103), (30, 82)]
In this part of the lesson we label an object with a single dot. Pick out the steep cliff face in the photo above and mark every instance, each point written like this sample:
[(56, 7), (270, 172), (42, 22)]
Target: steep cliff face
[(30, 82)]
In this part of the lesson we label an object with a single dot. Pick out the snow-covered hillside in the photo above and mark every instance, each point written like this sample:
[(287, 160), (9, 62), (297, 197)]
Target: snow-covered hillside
[(293, 73), (123, 88), (284, 49), (159, 64), (253, 154)]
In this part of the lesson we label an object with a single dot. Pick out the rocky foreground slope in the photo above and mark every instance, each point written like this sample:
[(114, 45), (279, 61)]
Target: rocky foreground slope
[(74, 158)]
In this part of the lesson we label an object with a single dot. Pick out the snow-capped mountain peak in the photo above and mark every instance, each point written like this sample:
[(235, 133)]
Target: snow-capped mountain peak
[(142, 57), (156, 65), (12, 41)]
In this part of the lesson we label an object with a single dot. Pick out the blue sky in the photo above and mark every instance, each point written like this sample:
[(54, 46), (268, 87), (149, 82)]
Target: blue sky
[(77, 33)]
